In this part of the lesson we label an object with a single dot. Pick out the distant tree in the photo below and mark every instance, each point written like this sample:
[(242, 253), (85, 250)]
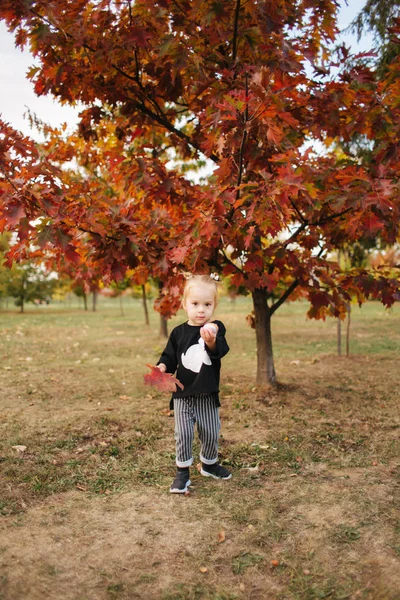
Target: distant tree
[(379, 17), (118, 288), (145, 290), (29, 282), (80, 292)]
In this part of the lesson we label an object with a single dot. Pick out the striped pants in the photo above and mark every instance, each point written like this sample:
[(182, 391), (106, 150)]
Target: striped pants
[(203, 411)]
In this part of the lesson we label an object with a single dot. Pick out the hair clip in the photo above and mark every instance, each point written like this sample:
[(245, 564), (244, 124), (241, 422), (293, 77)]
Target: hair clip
[(214, 276)]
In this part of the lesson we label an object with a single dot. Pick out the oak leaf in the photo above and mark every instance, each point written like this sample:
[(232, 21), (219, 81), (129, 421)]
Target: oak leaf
[(165, 382)]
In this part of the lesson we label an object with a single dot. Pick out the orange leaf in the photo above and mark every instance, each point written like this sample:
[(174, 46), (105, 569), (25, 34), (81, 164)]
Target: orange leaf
[(203, 570), (274, 563), (221, 536)]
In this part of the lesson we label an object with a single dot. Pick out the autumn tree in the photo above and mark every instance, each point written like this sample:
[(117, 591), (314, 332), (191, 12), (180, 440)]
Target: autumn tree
[(26, 281), (251, 86)]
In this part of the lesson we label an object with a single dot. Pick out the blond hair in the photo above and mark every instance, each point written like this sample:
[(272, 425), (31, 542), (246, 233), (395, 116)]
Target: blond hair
[(193, 280)]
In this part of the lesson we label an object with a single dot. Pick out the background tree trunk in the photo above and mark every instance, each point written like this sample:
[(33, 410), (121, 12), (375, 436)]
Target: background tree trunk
[(163, 321), (265, 359), (163, 327), (339, 337), (85, 301), (348, 330), (146, 310), (94, 298)]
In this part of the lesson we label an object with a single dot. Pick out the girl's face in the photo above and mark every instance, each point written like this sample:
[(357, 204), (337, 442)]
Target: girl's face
[(199, 304)]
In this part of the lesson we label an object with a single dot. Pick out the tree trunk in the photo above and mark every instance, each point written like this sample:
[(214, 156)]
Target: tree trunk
[(94, 298), (163, 321), (163, 327), (339, 337), (146, 310), (339, 322), (85, 301), (22, 304), (121, 306), (348, 330), (266, 375)]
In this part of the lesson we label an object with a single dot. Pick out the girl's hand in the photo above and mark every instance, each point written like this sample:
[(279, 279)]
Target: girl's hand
[(209, 334), (162, 368)]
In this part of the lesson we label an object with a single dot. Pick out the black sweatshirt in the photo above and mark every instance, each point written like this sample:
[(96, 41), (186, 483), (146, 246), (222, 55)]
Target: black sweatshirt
[(197, 368)]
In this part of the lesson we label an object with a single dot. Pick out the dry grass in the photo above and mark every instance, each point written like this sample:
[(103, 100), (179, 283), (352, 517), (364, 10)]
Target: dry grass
[(86, 513)]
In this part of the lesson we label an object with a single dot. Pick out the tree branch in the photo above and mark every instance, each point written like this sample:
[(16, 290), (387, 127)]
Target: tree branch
[(231, 262), (39, 208), (241, 151), (235, 31), (284, 296), (302, 219), (330, 218), (159, 115), (296, 234)]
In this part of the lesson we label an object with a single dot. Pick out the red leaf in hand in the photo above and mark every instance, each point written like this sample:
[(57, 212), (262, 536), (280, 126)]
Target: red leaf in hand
[(165, 382)]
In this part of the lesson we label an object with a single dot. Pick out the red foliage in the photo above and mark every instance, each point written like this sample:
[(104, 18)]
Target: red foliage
[(165, 382), (220, 79)]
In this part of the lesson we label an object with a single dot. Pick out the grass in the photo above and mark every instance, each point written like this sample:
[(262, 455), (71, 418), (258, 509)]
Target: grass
[(312, 509)]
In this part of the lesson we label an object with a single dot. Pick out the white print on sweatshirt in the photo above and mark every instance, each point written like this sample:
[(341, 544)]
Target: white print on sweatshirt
[(195, 357)]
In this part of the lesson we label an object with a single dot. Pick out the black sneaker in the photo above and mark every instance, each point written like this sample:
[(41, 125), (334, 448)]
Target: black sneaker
[(216, 471), (181, 482)]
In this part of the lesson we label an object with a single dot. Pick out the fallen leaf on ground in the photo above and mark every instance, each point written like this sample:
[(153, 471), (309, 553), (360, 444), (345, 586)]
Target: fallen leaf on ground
[(166, 411), (19, 448), (203, 570), (221, 536), (275, 563), (165, 382)]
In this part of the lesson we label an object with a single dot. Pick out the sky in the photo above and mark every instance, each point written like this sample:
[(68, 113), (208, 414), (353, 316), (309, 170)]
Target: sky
[(17, 95)]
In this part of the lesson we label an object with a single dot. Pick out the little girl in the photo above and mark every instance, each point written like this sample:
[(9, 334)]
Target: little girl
[(194, 350)]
